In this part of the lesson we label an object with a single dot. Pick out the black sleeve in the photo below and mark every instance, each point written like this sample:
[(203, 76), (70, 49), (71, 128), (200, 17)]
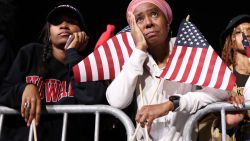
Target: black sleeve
[(92, 92), (6, 56), (72, 57), (13, 84)]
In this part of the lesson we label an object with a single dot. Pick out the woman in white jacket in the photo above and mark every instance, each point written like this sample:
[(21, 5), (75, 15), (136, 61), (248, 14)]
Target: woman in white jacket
[(164, 105)]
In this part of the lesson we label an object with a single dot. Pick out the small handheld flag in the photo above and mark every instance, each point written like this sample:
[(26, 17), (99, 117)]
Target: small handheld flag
[(246, 46), (194, 61), (106, 61)]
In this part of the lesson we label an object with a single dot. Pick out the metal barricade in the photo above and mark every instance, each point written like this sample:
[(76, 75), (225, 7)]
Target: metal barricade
[(215, 107), (66, 109)]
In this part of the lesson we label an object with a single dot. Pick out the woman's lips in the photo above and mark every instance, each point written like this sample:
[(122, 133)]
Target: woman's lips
[(64, 33), (151, 34)]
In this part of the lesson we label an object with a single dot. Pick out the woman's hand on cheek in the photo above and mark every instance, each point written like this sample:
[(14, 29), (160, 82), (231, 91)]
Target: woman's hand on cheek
[(138, 37), (77, 40)]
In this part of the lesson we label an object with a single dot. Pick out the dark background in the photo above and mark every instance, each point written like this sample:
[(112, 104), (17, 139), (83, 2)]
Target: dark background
[(22, 20)]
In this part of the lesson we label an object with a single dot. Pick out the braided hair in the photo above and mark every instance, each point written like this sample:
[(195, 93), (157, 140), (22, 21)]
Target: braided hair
[(47, 50)]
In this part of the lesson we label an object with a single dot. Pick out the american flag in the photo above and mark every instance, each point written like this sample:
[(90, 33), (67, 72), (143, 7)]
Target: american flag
[(246, 45), (106, 61), (194, 61)]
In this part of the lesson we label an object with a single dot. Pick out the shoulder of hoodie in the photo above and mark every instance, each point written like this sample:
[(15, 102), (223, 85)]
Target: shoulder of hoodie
[(31, 47)]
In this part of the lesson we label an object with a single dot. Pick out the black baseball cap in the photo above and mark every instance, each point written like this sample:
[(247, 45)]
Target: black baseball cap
[(234, 22), (69, 10)]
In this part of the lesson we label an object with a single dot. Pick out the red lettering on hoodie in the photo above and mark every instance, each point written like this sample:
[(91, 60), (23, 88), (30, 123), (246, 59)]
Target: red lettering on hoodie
[(52, 89), (63, 92), (70, 91)]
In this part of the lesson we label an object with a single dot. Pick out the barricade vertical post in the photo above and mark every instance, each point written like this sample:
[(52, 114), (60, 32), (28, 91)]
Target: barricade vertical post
[(1, 122), (223, 124), (64, 129), (97, 123)]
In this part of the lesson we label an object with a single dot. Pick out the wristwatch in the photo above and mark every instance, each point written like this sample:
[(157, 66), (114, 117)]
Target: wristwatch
[(176, 100)]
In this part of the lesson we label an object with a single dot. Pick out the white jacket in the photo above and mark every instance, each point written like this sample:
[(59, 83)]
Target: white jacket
[(141, 69)]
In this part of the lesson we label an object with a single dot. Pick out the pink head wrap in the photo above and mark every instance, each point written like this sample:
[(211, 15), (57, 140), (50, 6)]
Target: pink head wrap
[(161, 4)]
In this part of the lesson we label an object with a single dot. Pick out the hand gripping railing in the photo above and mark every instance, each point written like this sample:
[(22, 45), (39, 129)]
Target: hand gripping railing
[(215, 107), (66, 109)]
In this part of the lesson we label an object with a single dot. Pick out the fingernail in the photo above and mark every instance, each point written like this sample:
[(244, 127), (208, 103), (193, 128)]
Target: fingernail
[(240, 106)]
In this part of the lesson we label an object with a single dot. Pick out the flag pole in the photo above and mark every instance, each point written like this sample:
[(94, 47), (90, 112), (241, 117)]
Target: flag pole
[(34, 129), (188, 17)]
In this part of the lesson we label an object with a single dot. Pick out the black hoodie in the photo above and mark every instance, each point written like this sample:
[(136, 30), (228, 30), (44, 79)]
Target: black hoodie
[(56, 87)]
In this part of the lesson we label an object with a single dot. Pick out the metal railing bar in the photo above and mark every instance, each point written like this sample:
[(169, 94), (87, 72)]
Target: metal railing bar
[(58, 109), (215, 107)]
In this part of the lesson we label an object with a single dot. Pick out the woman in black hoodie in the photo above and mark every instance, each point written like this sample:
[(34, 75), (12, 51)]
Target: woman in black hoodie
[(41, 75)]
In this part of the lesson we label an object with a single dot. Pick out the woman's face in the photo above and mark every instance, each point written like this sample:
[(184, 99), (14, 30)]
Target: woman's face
[(61, 29), (152, 22), (237, 34)]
